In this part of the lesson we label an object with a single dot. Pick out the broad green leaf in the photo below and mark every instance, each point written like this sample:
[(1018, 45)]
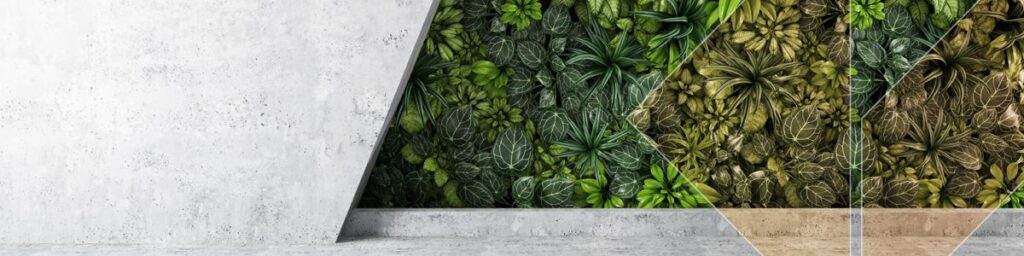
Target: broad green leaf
[(897, 20), (464, 172), (818, 195), (523, 190), (946, 12), (556, 192), (556, 20), (553, 125), (919, 10), (512, 152), (967, 155), (501, 49), (899, 193), (872, 53), (476, 194), (965, 184), (625, 184), (808, 172), (872, 189), (802, 127), (456, 125), (532, 54)]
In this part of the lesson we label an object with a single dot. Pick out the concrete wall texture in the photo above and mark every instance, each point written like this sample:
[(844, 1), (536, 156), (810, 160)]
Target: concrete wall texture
[(193, 122)]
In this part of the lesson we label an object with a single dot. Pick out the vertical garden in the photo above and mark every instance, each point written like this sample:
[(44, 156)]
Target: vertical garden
[(730, 103), (523, 103)]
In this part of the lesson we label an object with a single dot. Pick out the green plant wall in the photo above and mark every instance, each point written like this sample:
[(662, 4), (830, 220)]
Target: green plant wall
[(650, 103), (760, 112), (948, 135), (523, 103)]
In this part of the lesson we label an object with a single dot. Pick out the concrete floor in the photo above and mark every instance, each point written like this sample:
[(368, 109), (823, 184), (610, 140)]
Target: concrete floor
[(604, 232)]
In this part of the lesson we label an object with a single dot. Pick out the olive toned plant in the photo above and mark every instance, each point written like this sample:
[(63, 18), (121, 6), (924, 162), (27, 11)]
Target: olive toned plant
[(753, 79)]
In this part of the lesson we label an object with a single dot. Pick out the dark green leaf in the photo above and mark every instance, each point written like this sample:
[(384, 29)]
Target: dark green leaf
[(476, 194), (513, 152), (501, 49), (626, 184), (556, 192), (532, 54), (523, 190)]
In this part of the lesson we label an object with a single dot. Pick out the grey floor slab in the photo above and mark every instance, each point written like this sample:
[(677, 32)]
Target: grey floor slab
[(423, 246), (193, 122)]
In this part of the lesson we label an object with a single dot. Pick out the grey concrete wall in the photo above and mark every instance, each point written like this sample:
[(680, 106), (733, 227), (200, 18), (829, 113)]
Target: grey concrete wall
[(192, 122)]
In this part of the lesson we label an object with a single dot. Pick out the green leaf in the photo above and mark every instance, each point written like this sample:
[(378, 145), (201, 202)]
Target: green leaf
[(918, 10), (899, 193), (476, 194), (808, 172), (440, 177), (532, 54), (946, 12), (625, 184), (802, 127), (626, 156), (967, 154), (556, 192), (501, 49), (556, 20), (456, 125), (897, 21), (994, 92), (513, 152), (553, 125), (464, 172), (871, 188), (872, 53), (520, 83), (818, 195), (523, 190), (965, 184)]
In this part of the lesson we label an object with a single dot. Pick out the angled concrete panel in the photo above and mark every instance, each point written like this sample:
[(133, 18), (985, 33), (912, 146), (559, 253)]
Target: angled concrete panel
[(192, 122)]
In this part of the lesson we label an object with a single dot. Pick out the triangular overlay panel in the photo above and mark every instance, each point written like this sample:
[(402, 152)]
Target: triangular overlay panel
[(1002, 233), (524, 103), (945, 139), (758, 116)]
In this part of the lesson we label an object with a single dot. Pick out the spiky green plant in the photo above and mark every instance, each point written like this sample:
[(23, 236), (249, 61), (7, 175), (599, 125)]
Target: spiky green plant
[(607, 63), (591, 143), (752, 80), (416, 97), (682, 28)]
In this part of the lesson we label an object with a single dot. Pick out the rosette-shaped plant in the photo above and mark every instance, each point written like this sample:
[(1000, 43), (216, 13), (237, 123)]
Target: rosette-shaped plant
[(863, 13), (493, 119), (445, 35), (753, 80), (778, 32), (667, 188), (1001, 185), (520, 13)]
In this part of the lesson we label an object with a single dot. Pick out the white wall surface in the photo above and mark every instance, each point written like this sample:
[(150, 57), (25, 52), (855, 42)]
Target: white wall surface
[(192, 122)]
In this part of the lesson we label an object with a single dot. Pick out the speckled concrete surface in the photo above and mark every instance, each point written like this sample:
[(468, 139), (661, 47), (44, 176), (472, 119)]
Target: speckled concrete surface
[(604, 223), (420, 247), (192, 122)]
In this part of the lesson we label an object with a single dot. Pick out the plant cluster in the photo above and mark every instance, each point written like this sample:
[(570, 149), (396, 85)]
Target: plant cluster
[(885, 50), (759, 113), (523, 103), (948, 135)]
